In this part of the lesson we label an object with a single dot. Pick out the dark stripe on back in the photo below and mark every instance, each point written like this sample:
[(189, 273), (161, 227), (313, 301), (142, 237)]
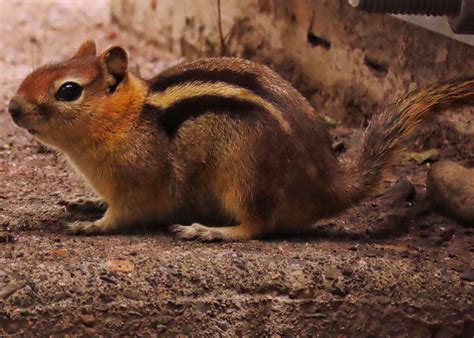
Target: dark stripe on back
[(170, 120), (241, 79)]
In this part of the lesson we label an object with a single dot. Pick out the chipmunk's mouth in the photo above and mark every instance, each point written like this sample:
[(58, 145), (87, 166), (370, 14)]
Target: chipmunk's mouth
[(22, 125)]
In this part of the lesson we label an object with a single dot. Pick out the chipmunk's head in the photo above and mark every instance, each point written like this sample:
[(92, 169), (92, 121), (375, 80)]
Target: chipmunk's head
[(57, 101)]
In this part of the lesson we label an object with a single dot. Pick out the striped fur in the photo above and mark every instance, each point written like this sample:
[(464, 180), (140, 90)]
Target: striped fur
[(190, 99), (171, 119), (241, 78)]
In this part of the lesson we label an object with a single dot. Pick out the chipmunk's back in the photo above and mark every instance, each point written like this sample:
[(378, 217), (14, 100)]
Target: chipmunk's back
[(235, 84)]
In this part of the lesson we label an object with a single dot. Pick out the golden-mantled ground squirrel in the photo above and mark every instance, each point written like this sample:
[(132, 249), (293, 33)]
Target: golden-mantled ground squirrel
[(219, 141)]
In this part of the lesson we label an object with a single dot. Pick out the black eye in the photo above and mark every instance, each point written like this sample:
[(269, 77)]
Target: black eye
[(69, 91)]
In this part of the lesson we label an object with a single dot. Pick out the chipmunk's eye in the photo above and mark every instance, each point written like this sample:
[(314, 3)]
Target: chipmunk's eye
[(69, 91)]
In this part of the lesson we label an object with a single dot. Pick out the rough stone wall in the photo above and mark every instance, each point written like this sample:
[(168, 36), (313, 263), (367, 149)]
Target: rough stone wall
[(346, 62)]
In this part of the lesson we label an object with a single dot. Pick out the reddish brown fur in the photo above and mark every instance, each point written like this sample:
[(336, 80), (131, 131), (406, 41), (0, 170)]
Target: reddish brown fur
[(38, 83)]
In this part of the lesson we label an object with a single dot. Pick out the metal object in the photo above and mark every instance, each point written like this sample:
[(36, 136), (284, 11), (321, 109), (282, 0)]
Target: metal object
[(417, 7), (464, 22), (460, 13)]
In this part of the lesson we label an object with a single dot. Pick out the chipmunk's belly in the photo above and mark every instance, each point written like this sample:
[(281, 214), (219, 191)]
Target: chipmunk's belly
[(151, 201), (202, 206)]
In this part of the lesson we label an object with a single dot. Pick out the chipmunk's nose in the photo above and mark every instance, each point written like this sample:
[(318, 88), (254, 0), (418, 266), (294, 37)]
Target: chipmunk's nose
[(14, 109)]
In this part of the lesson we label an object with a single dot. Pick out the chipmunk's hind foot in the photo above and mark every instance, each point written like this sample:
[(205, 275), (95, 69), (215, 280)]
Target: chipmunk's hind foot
[(199, 232), (99, 227), (83, 228)]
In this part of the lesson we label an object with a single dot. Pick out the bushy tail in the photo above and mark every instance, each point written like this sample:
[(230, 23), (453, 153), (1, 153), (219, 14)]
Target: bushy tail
[(387, 131)]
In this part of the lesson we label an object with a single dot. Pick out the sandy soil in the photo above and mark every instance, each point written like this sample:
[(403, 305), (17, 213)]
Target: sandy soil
[(387, 267)]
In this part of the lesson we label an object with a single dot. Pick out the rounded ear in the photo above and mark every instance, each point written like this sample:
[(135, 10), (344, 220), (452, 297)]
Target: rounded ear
[(87, 48), (114, 62)]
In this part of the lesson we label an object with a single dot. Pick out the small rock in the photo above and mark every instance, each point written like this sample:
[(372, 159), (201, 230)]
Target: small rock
[(107, 279), (6, 237), (61, 296), (102, 307), (332, 273), (384, 300), (120, 265), (347, 271), (402, 191), (90, 332), (450, 188), (202, 306), (88, 320), (469, 276), (431, 155), (223, 326), (11, 288), (132, 294)]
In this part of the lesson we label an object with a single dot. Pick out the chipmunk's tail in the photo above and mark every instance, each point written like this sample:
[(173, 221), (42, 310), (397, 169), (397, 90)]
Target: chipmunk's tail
[(387, 131)]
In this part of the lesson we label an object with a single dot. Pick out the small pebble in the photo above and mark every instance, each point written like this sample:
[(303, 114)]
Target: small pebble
[(402, 191), (6, 237), (121, 265), (88, 320), (384, 300), (450, 187), (468, 276)]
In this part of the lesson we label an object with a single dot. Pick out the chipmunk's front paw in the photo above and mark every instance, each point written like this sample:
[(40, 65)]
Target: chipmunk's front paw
[(86, 228), (196, 231)]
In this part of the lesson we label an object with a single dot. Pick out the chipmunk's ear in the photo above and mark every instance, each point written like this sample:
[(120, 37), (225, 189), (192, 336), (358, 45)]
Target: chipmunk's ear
[(114, 63), (87, 48)]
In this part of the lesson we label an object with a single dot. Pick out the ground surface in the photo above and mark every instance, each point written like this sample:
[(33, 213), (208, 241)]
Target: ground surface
[(382, 268)]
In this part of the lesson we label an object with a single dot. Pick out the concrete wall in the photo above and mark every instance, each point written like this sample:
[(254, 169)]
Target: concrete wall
[(346, 62)]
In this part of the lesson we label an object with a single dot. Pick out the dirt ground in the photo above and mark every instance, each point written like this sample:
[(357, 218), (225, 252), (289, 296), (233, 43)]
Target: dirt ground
[(389, 267)]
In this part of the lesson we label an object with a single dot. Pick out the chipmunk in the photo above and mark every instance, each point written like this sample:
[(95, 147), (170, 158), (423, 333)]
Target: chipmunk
[(221, 140)]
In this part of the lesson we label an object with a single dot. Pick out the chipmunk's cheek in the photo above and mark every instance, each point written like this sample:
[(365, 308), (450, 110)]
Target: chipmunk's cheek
[(26, 122)]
